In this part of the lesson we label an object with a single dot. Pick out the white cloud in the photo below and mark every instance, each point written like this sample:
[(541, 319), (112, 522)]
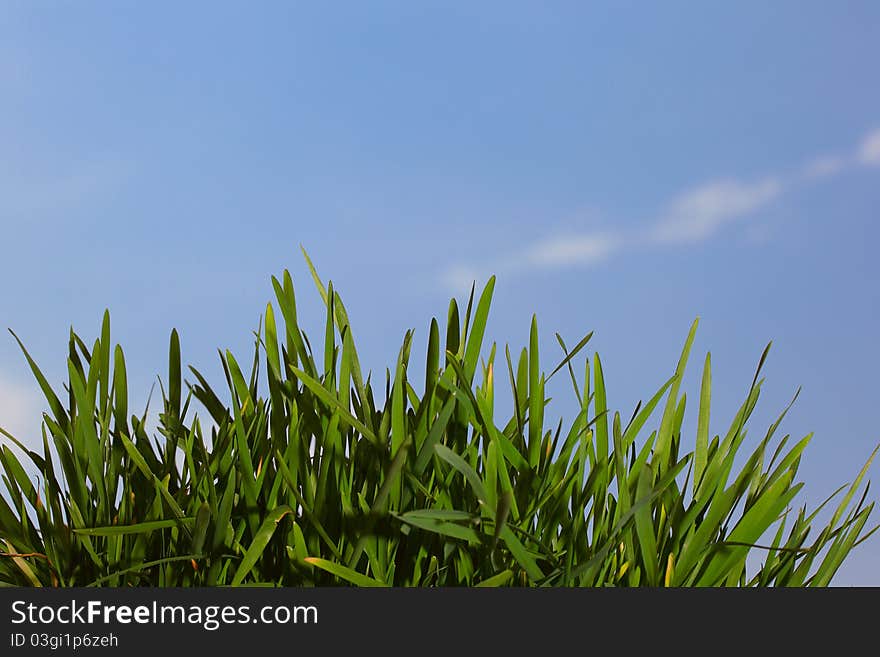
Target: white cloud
[(869, 149), (572, 250), (822, 167), (20, 413), (460, 277), (692, 217), (695, 215), (564, 251)]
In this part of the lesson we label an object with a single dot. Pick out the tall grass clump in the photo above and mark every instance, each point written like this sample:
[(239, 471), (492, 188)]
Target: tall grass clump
[(331, 479)]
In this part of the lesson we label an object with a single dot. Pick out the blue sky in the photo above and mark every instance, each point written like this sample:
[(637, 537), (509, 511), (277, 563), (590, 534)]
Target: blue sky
[(622, 167)]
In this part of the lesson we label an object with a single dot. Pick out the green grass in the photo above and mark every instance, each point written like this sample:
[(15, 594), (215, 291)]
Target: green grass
[(326, 482)]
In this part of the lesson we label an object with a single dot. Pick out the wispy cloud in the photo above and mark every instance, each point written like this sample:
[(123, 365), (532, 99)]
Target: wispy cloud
[(693, 216), (572, 250), (698, 213), (869, 150), (822, 167), (460, 277)]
